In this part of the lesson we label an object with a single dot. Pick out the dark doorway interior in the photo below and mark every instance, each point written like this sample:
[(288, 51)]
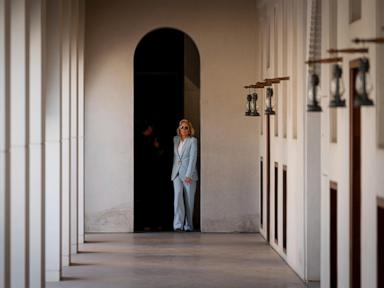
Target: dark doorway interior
[(158, 107), (380, 242), (333, 235), (261, 193), (268, 134), (276, 202), (355, 182), (285, 208)]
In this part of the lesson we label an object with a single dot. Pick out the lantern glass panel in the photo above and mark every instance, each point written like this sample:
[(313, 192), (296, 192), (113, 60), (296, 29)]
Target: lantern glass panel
[(333, 88), (254, 102), (362, 89), (269, 104), (247, 106), (314, 94), (252, 107)]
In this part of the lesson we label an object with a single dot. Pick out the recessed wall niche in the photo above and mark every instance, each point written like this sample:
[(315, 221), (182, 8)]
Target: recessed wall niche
[(332, 43), (276, 62), (261, 193), (276, 202), (261, 72), (333, 234), (285, 67), (355, 10), (294, 28), (285, 209), (380, 241), (333, 125), (379, 77), (268, 42)]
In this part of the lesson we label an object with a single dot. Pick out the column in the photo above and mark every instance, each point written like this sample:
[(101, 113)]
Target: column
[(65, 130), (80, 148), (52, 92), (312, 143), (73, 128), (18, 145), (4, 143), (36, 171)]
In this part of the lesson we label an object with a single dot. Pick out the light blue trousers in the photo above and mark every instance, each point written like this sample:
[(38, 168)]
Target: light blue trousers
[(183, 204)]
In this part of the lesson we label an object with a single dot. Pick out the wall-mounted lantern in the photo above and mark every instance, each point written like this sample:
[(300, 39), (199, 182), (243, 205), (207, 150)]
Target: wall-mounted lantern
[(251, 105), (313, 94), (337, 88), (254, 111), (363, 84), (248, 105), (268, 102)]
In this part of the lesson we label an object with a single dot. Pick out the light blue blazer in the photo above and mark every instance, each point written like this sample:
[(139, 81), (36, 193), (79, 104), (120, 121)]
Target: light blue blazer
[(185, 164)]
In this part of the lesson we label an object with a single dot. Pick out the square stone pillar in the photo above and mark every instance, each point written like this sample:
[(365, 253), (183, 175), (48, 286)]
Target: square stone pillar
[(65, 133), (74, 127), (35, 148), (52, 92), (19, 104), (80, 111), (4, 143)]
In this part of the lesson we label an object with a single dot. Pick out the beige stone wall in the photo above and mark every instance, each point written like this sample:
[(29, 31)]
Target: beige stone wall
[(225, 34)]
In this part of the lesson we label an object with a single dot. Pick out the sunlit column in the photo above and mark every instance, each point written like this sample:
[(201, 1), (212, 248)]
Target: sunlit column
[(36, 171), (52, 139), (81, 122), (65, 133), (73, 128), (18, 144), (4, 143)]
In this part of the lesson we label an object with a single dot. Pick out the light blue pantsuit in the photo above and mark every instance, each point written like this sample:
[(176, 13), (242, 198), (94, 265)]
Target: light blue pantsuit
[(183, 204), (184, 165)]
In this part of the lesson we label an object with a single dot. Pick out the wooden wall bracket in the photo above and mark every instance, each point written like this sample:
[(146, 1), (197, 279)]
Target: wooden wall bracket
[(267, 82), (324, 61), (348, 50), (379, 40)]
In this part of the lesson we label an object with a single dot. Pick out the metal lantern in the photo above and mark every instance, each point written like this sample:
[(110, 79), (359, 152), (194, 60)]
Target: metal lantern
[(363, 84), (269, 106), (248, 105), (313, 94), (337, 88), (253, 105)]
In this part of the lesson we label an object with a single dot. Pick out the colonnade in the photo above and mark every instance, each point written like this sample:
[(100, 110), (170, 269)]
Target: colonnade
[(41, 139)]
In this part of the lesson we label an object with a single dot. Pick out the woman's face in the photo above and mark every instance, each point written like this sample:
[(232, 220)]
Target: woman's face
[(184, 129)]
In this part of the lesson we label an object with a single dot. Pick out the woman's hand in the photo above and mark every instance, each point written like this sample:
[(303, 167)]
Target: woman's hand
[(188, 180), (156, 143)]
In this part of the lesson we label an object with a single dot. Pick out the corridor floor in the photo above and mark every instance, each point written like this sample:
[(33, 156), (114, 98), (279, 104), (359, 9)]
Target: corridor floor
[(177, 260)]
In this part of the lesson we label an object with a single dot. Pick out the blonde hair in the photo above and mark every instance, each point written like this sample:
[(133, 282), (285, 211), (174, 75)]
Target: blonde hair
[(191, 129)]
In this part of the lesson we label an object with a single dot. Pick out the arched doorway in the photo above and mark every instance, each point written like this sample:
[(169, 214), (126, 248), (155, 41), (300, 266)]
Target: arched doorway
[(166, 90)]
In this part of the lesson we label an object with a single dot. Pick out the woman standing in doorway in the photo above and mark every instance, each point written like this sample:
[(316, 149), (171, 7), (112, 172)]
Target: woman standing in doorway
[(184, 176)]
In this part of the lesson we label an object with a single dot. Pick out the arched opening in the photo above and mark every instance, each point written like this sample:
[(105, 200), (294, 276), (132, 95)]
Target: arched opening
[(166, 90)]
